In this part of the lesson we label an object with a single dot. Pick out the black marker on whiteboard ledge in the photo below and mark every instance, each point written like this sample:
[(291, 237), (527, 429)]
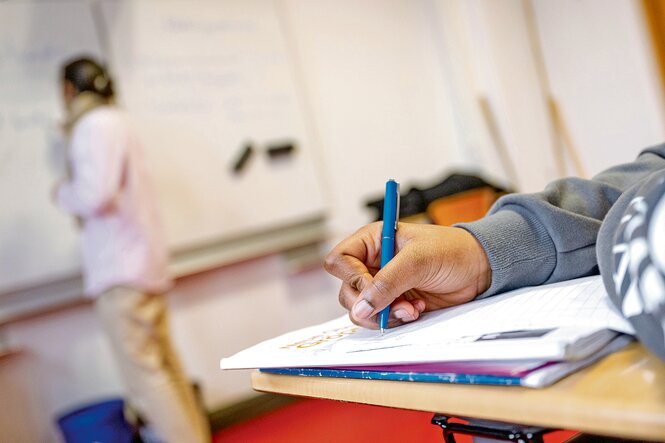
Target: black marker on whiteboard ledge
[(280, 151), (241, 161)]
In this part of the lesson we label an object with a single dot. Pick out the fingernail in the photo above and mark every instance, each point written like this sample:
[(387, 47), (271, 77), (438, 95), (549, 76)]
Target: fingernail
[(403, 315), (362, 309)]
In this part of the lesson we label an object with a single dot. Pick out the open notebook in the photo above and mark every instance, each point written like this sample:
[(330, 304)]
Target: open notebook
[(568, 321)]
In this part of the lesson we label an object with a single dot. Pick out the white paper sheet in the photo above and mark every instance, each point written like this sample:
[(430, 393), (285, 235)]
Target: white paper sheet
[(575, 318)]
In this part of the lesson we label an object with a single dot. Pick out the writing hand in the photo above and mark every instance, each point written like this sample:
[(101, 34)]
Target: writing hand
[(434, 267)]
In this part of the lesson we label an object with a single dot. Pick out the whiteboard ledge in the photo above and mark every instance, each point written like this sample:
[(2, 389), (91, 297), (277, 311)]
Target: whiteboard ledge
[(46, 297), (226, 252)]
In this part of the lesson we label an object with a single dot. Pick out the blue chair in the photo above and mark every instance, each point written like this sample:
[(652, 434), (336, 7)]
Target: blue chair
[(102, 422)]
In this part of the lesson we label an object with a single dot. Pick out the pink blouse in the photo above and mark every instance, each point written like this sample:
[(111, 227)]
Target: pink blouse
[(110, 191)]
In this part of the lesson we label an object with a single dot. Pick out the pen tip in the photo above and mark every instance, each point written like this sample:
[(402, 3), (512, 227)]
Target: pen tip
[(383, 331)]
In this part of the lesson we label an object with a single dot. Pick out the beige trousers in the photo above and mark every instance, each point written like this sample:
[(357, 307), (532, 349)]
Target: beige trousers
[(137, 325)]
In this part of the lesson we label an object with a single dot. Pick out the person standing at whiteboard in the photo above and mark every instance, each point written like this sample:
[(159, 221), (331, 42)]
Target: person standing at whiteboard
[(124, 254)]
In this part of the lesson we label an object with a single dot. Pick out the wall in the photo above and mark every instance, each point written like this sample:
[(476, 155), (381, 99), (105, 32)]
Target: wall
[(379, 96), (372, 120), (66, 361), (592, 57)]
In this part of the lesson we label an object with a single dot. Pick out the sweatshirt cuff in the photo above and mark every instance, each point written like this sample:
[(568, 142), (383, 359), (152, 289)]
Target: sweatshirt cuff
[(520, 250)]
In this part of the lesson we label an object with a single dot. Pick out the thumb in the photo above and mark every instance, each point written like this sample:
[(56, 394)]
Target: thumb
[(394, 279)]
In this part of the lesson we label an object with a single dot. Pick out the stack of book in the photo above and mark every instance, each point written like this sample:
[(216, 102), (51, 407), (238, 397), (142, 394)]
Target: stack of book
[(529, 337)]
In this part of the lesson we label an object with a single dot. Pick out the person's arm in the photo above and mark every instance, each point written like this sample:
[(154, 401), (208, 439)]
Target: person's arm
[(550, 236), (97, 166), (528, 239), (631, 257)]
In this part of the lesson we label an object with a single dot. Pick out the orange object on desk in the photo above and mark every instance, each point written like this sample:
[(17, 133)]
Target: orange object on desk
[(462, 207)]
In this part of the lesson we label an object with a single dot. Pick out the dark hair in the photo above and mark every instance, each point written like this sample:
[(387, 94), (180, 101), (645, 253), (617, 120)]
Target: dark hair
[(88, 75)]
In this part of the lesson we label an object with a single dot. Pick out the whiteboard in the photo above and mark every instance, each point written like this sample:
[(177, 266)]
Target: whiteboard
[(37, 241), (203, 79)]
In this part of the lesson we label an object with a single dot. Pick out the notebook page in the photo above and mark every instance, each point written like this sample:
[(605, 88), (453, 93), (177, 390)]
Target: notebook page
[(582, 303), (566, 312)]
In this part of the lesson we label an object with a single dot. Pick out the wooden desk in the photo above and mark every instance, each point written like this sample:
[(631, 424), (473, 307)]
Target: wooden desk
[(622, 395)]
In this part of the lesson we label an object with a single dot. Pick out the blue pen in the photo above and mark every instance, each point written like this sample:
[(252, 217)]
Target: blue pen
[(390, 217)]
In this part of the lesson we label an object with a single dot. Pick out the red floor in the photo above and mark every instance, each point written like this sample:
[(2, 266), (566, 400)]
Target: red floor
[(325, 421)]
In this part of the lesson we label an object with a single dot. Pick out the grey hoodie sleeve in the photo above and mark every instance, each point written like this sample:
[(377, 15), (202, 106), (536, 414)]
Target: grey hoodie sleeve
[(550, 236)]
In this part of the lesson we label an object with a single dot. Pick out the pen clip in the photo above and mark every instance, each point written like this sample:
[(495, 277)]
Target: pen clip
[(397, 205)]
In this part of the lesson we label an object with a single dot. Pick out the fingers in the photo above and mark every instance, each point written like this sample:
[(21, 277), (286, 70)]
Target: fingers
[(361, 313), (394, 279), (350, 261), (352, 257), (349, 298), (365, 296), (407, 311), (401, 311)]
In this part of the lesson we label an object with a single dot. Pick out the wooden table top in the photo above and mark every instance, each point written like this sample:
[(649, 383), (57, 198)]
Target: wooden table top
[(623, 395)]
